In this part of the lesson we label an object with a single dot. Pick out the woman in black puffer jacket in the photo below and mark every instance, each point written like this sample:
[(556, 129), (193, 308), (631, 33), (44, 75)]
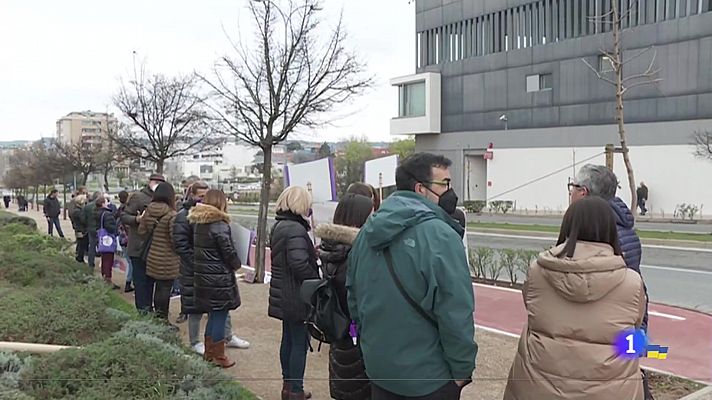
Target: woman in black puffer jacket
[(293, 261), (214, 279), (347, 373)]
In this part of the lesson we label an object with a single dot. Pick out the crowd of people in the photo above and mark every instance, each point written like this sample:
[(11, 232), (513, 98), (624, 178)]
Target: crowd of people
[(400, 274)]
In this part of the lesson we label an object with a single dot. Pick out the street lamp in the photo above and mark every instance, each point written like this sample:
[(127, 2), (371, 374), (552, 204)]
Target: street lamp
[(504, 119)]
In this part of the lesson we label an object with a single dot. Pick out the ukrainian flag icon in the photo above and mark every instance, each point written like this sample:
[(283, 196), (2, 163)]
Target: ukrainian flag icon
[(657, 352)]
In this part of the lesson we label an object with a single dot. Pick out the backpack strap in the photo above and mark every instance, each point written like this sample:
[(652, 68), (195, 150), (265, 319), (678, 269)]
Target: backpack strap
[(401, 289)]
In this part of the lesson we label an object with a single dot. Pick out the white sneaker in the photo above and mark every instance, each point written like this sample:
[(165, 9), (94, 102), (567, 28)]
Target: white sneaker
[(199, 348), (238, 343)]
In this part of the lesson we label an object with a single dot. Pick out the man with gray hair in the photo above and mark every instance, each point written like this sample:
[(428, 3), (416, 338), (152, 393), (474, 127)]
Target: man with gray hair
[(598, 180)]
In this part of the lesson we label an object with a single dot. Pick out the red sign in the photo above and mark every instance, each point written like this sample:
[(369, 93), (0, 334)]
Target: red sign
[(489, 155)]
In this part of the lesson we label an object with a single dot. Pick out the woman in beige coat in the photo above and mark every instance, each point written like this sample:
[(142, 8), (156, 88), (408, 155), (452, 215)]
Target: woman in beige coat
[(578, 296)]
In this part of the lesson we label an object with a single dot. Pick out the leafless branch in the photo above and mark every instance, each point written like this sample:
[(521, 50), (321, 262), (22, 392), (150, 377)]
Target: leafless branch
[(702, 140), (598, 73)]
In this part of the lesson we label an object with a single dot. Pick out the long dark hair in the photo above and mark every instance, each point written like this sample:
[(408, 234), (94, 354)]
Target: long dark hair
[(591, 220), (165, 193), (353, 210), (364, 189)]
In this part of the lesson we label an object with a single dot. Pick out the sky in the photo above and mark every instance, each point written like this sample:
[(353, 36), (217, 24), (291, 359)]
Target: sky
[(63, 56)]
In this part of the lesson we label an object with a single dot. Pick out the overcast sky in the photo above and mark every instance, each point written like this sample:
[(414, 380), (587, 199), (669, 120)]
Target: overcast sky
[(62, 56)]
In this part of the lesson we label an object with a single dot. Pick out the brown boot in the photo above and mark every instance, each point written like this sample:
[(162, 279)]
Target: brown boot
[(285, 390), (300, 396), (219, 357), (208, 355)]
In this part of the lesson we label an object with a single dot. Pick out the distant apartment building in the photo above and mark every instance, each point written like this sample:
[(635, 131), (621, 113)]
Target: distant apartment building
[(86, 127)]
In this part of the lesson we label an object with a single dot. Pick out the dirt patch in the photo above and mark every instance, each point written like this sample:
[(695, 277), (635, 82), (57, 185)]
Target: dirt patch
[(665, 387)]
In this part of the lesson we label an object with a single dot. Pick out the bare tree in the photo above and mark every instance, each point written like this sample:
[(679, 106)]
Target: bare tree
[(622, 83), (166, 118), (288, 78), (79, 158), (703, 144)]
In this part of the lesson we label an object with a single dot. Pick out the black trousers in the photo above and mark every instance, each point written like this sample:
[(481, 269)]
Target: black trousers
[(450, 391), (82, 249), (162, 298)]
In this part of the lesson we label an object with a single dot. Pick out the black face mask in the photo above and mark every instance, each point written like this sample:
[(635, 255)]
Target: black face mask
[(448, 201)]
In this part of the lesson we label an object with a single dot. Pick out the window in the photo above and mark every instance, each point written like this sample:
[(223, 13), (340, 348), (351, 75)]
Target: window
[(604, 64), (411, 100), (536, 83)]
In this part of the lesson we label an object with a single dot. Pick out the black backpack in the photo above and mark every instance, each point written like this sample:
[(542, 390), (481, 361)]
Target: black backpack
[(326, 320)]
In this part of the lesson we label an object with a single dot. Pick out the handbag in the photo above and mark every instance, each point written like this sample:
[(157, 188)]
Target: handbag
[(401, 289), (107, 241)]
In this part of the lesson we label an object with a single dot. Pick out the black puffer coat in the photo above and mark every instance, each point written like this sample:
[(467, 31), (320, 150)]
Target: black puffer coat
[(183, 241), (293, 261), (347, 372), (215, 260)]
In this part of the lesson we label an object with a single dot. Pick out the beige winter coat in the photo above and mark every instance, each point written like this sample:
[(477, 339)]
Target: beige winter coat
[(575, 308)]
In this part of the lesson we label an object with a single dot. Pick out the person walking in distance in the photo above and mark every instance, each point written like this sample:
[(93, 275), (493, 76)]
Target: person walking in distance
[(52, 209), (410, 291), (642, 194), (216, 261), (598, 180), (183, 241), (79, 224), (105, 219), (162, 262), (90, 216), (135, 206), (579, 296), (294, 260), (347, 373)]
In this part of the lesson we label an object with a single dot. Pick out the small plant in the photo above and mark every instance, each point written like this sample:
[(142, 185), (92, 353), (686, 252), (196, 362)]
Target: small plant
[(480, 258), (474, 206), (686, 211), (525, 260), (501, 206), (509, 259)]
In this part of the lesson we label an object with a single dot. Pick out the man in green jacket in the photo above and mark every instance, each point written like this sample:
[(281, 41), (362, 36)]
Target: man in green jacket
[(425, 349), (91, 222)]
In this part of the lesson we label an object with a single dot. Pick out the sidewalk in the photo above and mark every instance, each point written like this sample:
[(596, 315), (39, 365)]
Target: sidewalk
[(258, 368)]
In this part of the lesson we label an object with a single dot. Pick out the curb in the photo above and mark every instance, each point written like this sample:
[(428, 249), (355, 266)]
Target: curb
[(704, 394)]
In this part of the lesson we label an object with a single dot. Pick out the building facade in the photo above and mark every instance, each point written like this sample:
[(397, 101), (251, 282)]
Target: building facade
[(86, 127), (510, 91)]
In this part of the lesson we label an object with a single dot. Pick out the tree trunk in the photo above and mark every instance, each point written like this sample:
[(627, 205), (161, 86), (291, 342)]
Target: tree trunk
[(106, 179), (64, 205), (620, 117), (159, 166), (262, 216), (37, 193), (85, 177)]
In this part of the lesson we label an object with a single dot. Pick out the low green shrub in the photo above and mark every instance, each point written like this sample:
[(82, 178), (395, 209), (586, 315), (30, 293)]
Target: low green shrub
[(480, 258), (161, 331), (126, 368), (474, 206), (63, 315), (7, 218), (23, 267)]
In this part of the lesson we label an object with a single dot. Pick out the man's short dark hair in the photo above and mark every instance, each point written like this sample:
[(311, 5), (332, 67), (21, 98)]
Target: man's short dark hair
[(418, 168)]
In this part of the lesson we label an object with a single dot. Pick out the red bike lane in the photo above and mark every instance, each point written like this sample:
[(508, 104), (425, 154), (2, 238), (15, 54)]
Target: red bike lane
[(687, 334)]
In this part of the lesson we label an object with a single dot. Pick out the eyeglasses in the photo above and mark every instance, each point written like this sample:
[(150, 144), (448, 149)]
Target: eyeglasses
[(572, 185), (444, 182)]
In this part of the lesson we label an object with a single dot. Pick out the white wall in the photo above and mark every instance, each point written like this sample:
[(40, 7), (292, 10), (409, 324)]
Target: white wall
[(671, 173), (238, 155)]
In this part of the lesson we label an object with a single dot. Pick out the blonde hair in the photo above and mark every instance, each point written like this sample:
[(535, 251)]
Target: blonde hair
[(80, 199), (216, 198), (295, 199)]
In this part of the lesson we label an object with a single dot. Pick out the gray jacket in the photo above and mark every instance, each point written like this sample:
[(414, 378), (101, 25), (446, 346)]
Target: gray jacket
[(137, 203)]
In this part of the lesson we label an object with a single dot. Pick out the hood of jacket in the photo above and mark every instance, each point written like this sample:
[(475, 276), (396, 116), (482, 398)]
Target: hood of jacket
[(624, 217), (158, 210), (401, 211), (336, 241), (207, 214), (590, 274)]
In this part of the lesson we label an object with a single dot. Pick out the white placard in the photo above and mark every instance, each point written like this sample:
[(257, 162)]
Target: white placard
[(381, 168), (319, 175)]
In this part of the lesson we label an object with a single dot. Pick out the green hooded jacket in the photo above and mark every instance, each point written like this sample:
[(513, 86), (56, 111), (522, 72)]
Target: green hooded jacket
[(403, 352)]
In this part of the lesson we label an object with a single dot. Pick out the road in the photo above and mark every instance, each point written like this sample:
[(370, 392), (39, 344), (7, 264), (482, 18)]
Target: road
[(674, 276)]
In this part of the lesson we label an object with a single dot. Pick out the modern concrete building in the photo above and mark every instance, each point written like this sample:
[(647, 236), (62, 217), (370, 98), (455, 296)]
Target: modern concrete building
[(502, 89), (86, 127)]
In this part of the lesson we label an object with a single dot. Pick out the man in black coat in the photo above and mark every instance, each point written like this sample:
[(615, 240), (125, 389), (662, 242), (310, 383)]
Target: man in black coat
[(131, 216), (52, 209), (183, 241)]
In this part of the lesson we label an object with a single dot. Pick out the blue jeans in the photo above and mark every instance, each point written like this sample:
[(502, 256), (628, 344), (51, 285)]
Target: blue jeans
[(143, 284), (194, 328), (293, 354), (215, 327), (91, 253), (54, 222)]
